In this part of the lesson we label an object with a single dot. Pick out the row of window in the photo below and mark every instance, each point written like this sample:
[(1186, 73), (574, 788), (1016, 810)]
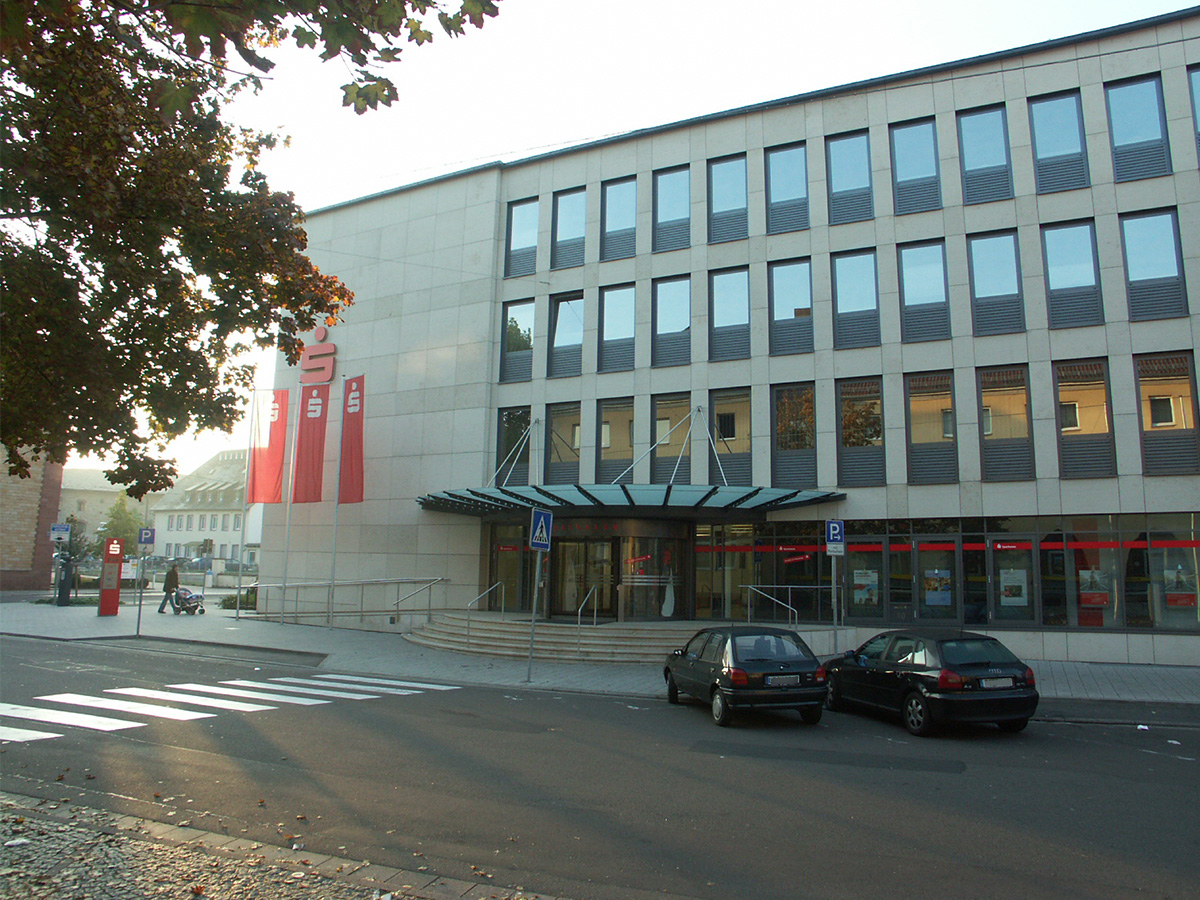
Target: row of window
[(224, 551), (1165, 388), (178, 522), (1154, 282), (1137, 128)]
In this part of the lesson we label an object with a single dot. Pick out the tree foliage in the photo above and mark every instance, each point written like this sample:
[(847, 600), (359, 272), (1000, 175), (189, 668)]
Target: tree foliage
[(122, 523), (141, 252)]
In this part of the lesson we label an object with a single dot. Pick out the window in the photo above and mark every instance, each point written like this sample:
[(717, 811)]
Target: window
[(787, 188), (855, 301), (201, 522), (983, 149), (860, 432), (618, 219), (614, 461), (521, 255), (1072, 275), (189, 522), (924, 293), (1059, 155), (849, 173), (670, 460), (1006, 442), (225, 522), (932, 449), (516, 354), (1167, 408), (616, 328), (562, 443), (794, 432), (1153, 268), (727, 200), (170, 523), (570, 212), (997, 304), (212, 522), (237, 521), (789, 293), (566, 336), (1137, 125), (729, 314), (672, 313), (730, 437), (1085, 441), (1194, 84), (672, 209), (915, 181), (512, 446)]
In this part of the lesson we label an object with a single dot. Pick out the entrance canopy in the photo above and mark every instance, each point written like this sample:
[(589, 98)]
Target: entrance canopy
[(676, 501)]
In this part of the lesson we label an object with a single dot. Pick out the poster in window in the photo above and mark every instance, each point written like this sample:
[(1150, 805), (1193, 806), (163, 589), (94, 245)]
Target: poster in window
[(1179, 588), (866, 587), (1093, 587), (937, 587), (1014, 587)]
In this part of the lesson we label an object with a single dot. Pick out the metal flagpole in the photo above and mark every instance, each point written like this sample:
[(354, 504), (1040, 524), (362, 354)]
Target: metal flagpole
[(287, 539), (237, 604), (337, 502)]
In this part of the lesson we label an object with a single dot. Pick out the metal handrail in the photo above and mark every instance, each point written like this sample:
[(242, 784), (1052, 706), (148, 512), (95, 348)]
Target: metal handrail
[(793, 613), (426, 584), (498, 584), (579, 618)]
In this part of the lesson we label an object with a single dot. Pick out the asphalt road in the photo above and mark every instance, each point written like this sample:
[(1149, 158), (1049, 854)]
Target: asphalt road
[(588, 796)]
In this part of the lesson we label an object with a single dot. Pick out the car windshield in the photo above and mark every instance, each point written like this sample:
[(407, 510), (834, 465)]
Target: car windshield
[(973, 651), (752, 647)]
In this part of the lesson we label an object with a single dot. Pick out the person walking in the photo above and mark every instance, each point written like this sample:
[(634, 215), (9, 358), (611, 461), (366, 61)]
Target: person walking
[(170, 585)]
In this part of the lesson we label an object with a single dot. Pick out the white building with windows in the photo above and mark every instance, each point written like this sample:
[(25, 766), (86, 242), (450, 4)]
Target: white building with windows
[(202, 515), (950, 307)]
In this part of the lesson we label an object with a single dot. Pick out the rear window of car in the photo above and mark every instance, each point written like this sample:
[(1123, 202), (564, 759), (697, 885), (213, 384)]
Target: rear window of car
[(965, 652), (748, 647)]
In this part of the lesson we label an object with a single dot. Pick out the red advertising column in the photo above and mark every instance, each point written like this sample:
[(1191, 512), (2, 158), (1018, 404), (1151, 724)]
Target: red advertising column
[(110, 576)]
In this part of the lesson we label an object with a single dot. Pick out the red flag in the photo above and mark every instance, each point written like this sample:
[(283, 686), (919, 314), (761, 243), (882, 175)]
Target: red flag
[(268, 437), (310, 443), (350, 474)]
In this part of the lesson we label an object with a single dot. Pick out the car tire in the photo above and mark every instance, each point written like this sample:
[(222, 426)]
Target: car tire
[(672, 689), (811, 715), (833, 697), (1013, 725), (915, 711), (721, 712)]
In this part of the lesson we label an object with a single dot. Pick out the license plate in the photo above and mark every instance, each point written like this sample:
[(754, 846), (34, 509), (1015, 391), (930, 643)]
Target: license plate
[(996, 682), (782, 680)]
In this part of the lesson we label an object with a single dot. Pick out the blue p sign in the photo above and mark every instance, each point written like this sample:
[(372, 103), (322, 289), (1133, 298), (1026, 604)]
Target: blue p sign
[(835, 531)]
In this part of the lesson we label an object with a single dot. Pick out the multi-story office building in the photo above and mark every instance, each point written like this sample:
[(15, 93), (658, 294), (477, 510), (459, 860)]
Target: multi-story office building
[(950, 308)]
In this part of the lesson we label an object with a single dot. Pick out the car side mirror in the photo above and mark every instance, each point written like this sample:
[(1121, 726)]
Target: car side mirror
[(849, 654)]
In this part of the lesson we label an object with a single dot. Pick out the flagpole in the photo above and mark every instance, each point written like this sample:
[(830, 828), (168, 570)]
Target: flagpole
[(237, 603), (287, 539), (337, 502)]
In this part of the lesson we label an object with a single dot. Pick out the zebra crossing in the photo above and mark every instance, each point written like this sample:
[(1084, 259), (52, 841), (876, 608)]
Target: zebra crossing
[(190, 701)]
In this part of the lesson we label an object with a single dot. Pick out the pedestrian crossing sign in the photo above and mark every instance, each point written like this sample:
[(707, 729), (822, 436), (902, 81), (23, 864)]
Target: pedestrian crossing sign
[(540, 526)]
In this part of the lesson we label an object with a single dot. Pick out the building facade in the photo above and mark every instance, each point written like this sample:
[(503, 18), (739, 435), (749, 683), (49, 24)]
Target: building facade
[(950, 308), (87, 496), (28, 506), (202, 515)]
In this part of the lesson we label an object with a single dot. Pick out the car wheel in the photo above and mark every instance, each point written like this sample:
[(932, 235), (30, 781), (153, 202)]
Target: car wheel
[(1013, 725), (721, 712), (917, 718), (811, 715), (833, 697), (672, 689)]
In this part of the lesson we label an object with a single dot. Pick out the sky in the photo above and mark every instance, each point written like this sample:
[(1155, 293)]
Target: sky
[(546, 74)]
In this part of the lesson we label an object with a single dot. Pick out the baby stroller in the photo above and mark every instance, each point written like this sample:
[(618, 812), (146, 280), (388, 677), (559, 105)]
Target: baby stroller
[(185, 601)]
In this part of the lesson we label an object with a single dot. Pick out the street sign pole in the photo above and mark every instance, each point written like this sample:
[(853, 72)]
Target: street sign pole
[(541, 525), (835, 546)]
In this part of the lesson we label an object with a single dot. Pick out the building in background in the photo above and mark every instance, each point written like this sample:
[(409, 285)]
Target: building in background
[(201, 516), (950, 307), (88, 496), (27, 510)]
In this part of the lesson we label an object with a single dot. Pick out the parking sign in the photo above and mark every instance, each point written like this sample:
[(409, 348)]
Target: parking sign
[(146, 536), (835, 537)]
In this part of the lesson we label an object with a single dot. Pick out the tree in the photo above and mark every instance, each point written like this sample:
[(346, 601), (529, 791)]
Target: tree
[(122, 523), (77, 545), (141, 252)]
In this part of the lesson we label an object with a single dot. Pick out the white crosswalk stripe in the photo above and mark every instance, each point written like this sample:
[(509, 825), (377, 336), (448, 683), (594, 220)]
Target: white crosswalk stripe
[(8, 733), (212, 702), (66, 717), (316, 692), (248, 695), (129, 706), (369, 683), (374, 687)]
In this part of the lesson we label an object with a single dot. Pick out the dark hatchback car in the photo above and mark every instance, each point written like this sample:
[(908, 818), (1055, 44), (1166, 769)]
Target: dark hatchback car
[(930, 677), (747, 667)]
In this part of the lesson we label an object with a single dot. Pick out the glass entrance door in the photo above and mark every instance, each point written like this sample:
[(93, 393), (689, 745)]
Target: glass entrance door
[(937, 579), (583, 574), (1012, 581)]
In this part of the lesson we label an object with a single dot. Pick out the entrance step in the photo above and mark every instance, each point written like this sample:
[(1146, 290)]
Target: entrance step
[(493, 635)]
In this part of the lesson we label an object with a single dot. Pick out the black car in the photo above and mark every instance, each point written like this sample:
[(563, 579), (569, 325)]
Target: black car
[(745, 667), (930, 677)]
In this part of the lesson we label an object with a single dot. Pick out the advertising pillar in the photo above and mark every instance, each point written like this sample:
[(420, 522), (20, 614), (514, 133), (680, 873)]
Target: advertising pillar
[(110, 576)]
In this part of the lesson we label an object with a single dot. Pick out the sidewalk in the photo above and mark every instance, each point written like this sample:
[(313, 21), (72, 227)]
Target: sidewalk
[(389, 655)]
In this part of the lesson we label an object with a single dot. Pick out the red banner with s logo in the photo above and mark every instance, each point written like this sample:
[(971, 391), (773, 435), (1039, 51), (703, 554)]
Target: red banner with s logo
[(310, 443)]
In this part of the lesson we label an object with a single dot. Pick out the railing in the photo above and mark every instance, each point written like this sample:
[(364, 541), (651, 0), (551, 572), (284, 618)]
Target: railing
[(804, 599), (498, 584), (793, 615), (579, 619), (328, 595)]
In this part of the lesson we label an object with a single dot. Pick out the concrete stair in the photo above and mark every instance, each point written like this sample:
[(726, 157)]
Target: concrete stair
[(493, 635)]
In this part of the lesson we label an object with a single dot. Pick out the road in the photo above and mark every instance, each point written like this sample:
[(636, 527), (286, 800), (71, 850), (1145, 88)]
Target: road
[(587, 796)]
